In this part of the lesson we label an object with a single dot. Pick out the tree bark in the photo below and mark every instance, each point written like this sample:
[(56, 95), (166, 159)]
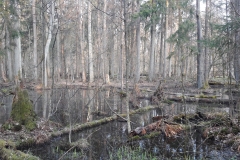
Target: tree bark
[(9, 56), (17, 40), (206, 59), (90, 50), (200, 58), (105, 57), (236, 62), (35, 72), (161, 48), (137, 76), (49, 37), (127, 71), (165, 54), (152, 46)]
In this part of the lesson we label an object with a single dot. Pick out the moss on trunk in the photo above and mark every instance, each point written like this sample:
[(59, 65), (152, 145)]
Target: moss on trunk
[(22, 110)]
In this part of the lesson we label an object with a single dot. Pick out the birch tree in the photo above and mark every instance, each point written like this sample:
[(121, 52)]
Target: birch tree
[(49, 37)]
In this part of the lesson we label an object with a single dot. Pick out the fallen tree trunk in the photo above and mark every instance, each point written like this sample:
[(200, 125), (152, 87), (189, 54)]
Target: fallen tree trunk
[(8, 151), (201, 100), (80, 127)]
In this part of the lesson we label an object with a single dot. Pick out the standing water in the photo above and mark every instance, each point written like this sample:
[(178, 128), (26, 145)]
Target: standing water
[(77, 106)]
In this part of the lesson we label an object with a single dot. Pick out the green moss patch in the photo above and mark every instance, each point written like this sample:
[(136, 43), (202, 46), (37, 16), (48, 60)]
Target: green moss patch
[(22, 110), (8, 152)]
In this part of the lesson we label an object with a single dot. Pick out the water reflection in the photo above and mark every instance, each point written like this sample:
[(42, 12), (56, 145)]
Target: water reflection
[(110, 137), (76, 105), (71, 106), (5, 108)]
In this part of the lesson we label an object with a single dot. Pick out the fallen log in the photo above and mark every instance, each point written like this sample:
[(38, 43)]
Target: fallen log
[(80, 127), (201, 100), (8, 151)]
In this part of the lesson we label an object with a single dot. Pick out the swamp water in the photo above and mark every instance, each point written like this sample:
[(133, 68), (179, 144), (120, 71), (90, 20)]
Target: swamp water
[(77, 106)]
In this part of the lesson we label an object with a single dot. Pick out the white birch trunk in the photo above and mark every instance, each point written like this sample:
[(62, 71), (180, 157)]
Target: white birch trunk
[(49, 37)]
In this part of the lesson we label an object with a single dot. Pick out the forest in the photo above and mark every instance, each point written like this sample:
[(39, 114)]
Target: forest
[(89, 41), (72, 71)]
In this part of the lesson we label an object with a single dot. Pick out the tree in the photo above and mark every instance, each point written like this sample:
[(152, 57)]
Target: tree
[(35, 72), (90, 51), (81, 35), (236, 62), (49, 38), (165, 52), (152, 47), (127, 64), (17, 40), (200, 58), (206, 55), (137, 77)]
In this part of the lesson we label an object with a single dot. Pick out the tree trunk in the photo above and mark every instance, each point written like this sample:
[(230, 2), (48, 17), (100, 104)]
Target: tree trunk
[(90, 50), (127, 71), (49, 37), (17, 40), (58, 55), (161, 49), (200, 58), (35, 72), (152, 47), (9, 56), (236, 62), (206, 59), (144, 51), (121, 46), (137, 76), (81, 29), (105, 57), (165, 54)]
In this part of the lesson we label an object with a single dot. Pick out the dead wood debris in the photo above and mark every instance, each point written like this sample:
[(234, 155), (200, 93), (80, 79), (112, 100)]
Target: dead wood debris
[(158, 95), (134, 101), (169, 129)]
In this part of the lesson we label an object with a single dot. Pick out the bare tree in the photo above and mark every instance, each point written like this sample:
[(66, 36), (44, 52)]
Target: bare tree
[(17, 40), (34, 39), (200, 57), (49, 38), (127, 63), (137, 76), (90, 50), (152, 47)]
